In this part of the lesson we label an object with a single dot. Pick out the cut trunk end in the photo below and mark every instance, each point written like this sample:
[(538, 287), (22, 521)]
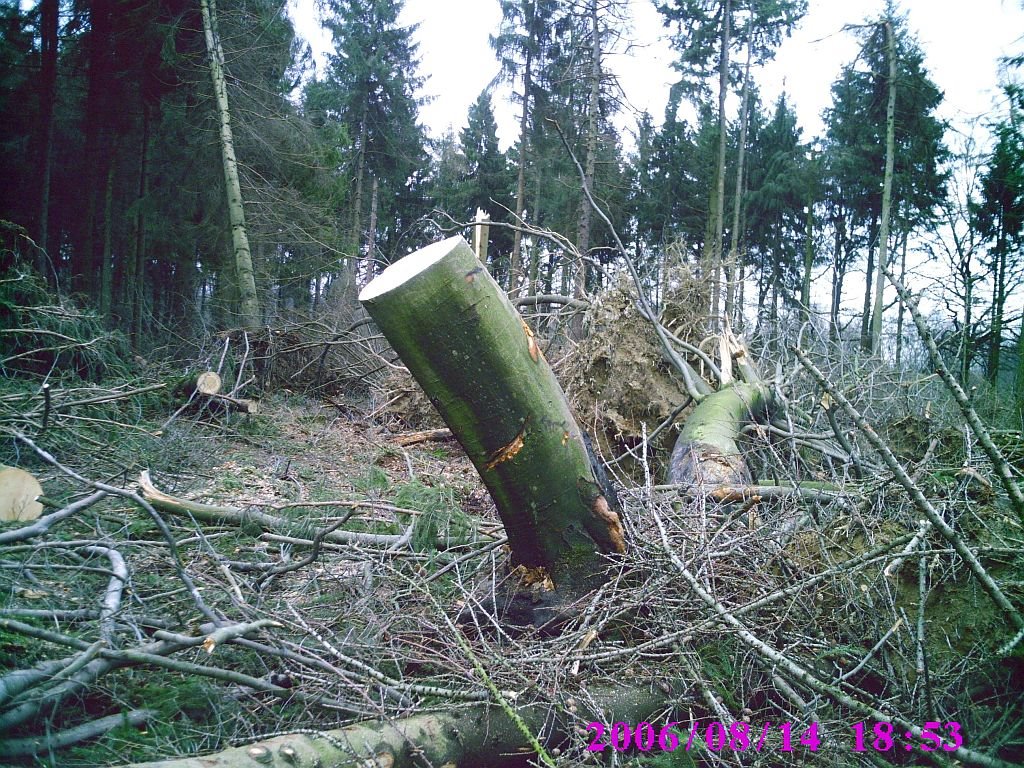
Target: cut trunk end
[(483, 370)]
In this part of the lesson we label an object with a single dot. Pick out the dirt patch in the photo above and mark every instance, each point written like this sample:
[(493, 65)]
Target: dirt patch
[(618, 381)]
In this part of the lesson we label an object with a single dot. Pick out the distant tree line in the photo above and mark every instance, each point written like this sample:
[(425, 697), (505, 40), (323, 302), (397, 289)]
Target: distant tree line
[(114, 191)]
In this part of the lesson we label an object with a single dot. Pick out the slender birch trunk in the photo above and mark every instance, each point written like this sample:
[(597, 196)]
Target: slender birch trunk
[(515, 259), (245, 276), (883, 232), (723, 140), (734, 235)]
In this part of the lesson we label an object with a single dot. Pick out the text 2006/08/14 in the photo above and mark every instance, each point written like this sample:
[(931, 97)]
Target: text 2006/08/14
[(741, 736)]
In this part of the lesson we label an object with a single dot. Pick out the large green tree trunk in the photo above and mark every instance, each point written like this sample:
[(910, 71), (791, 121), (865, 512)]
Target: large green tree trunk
[(249, 308), (483, 370)]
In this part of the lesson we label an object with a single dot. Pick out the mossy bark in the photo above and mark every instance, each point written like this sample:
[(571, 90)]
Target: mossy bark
[(481, 735), (706, 452), (484, 371)]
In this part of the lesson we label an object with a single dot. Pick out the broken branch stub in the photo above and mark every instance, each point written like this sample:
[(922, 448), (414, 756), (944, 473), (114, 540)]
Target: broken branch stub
[(483, 370)]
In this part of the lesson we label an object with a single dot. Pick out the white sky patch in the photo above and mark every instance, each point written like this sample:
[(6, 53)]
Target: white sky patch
[(963, 42)]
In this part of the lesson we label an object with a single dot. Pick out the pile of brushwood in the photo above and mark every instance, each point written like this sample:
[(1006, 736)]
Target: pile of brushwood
[(308, 582)]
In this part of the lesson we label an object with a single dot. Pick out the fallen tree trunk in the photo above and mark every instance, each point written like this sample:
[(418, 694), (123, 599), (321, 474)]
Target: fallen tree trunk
[(481, 367), (706, 452), (480, 735)]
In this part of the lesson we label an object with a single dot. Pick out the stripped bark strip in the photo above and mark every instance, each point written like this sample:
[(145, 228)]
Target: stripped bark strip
[(916, 495)]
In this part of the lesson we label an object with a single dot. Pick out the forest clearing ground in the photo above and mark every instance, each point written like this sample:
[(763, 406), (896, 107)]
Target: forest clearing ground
[(362, 630)]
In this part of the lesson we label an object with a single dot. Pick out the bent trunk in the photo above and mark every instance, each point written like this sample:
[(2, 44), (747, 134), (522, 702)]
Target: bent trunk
[(481, 367)]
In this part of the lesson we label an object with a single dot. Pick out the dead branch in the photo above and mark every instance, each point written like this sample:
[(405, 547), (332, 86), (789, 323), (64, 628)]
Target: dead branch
[(44, 745), (806, 677), (999, 463), (45, 523), (212, 513), (916, 495)]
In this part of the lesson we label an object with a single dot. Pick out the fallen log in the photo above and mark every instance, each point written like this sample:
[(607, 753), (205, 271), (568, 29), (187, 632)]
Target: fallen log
[(482, 735), (208, 383), (706, 452), (481, 367), (215, 513)]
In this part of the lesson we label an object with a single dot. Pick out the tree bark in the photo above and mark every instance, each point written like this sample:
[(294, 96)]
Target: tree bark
[(731, 311), (136, 287), (869, 275), (480, 735), (998, 304), (107, 250), (248, 303), (524, 137), (723, 140), (586, 213), (371, 236), (805, 285), (883, 232), (483, 370), (838, 274), (706, 452), (49, 19)]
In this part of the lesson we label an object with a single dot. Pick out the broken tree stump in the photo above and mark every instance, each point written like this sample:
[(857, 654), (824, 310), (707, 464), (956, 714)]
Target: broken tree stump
[(481, 367)]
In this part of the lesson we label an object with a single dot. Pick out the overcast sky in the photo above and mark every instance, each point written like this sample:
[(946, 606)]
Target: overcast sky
[(962, 40)]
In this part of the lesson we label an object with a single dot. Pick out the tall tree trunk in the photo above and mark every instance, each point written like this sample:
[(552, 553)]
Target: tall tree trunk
[(869, 274), (534, 276), (899, 314), (107, 250), (998, 303), (723, 140), (371, 235), (524, 142), (248, 303), (1018, 378), (49, 12), (479, 363), (805, 285), (883, 234), (838, 273), (97, 151), (591, 159), (737, 206), (137, 283), (357, 195)]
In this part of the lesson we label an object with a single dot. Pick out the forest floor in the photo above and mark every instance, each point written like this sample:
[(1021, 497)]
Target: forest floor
[(300, 568), (311, 464)]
